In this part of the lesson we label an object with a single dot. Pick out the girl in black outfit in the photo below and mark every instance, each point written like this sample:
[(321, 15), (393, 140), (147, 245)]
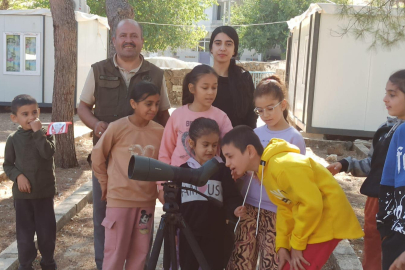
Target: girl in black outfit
[(234, 96), (206, 220), (235, 84)]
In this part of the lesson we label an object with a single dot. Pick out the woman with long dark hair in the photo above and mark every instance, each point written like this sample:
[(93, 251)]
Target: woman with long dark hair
[(235, 84), (234, 95)]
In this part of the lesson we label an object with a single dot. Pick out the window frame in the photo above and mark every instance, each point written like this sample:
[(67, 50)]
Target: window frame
[(23, 36)]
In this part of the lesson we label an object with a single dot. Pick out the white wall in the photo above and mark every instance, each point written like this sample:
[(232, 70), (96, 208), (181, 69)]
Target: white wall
[(13, 85), (187, 55), (92, 47), (350, 80)]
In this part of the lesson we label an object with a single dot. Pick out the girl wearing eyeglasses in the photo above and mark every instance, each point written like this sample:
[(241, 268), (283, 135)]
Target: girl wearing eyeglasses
[(256, 233)]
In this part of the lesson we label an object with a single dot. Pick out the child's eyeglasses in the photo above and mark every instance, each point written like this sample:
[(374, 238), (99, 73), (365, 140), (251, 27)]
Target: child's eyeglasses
[(260, 111)]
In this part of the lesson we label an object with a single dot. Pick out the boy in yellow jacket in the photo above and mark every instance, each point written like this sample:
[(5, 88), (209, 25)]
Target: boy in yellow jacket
[(313, 213)]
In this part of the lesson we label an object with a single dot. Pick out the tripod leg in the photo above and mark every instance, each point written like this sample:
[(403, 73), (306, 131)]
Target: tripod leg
[(194, 245), (166, 250), (172, 246), (157, 245)]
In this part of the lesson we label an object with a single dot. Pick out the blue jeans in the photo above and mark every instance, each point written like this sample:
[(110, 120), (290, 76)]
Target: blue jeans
[(99, 208)]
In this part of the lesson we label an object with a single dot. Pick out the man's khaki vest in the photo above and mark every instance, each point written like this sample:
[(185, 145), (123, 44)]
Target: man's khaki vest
[(111, 93)]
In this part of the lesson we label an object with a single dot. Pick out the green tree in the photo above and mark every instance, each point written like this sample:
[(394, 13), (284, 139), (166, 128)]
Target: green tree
[(179, 12), (158, 37), (264, 37), (381, 21), (4, 4), (96, 6), (29, 4)]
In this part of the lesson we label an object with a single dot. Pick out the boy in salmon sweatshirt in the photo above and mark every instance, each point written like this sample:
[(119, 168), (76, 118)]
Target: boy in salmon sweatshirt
[(313, 213)]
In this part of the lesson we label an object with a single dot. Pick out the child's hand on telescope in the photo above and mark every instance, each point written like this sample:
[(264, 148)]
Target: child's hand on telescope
[(240, 211)]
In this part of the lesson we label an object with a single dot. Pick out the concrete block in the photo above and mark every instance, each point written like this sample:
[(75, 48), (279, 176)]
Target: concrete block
[(62, 220), (76, 199), (344, 257), (361, 150), (345, 262), (80, 205), (83, 191), (68, 209), (9, 257), (10, 263), (90, 198), (11, 249)]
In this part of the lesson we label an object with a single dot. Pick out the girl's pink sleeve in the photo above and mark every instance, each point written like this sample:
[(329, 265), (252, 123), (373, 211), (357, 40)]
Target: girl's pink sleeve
[(167, 145), (225, 125)]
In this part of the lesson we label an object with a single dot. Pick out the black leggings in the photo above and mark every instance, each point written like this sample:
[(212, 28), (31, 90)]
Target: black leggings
[(212, 248), (392, 246)]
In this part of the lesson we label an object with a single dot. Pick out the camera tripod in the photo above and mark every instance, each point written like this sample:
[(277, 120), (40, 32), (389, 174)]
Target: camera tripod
[(169, 223)]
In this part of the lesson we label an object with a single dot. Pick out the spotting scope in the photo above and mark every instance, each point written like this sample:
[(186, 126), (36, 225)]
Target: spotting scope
[(149, 169)]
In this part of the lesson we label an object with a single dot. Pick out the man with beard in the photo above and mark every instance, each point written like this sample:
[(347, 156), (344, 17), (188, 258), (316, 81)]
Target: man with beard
[(108, 88)]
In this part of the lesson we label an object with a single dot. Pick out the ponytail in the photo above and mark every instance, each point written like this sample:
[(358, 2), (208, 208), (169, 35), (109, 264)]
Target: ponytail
[(187, 96)]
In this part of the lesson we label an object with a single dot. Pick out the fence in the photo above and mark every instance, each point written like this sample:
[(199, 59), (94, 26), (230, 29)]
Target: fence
[(259, 75)]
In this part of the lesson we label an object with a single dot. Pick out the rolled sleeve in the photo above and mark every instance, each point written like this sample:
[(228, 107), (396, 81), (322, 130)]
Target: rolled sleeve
[(164, 98), (87, 94)]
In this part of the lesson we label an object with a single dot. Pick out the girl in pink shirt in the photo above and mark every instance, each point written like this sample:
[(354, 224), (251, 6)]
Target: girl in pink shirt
[(200, 90)]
